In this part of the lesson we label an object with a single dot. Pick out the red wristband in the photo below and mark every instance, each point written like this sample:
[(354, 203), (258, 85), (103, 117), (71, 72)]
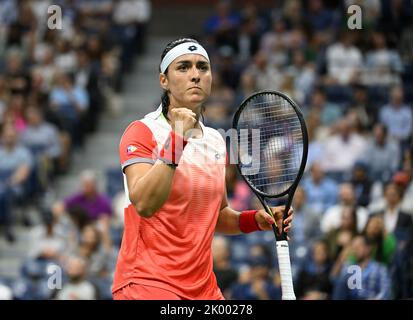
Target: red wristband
[(173, 148), (247, 222)]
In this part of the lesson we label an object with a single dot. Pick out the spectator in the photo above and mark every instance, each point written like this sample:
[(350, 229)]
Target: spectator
[(321, 191), (223, 24), (96, 248), (397, 116), (14, 114), (342, 150), (32, 58), (363, 106), (382, 154), (49, 241), (344, 60), (248, 39), (395, 220), (37, 96), (65, 58), (306, 220), (374, 281), (228, 68), (225, 273), (278, 34), (15, 166), (260, 286), (68, 105), (328, 112), (17, 77), (96, 205), (384, 243), (303, 76), (46, 67), (321, 19), (131, 18), (292, 11), (347, 199), (315, 143), (77, 287), (42, 139), (383, 66), (265, 75), (361, 183), (339, 238), (313, 282), (94, 80)]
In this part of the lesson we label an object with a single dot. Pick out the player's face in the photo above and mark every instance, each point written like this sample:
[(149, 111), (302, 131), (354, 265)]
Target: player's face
[(189, 81)]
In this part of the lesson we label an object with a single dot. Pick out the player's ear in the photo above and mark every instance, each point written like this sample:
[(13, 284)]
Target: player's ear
[(163, 80)]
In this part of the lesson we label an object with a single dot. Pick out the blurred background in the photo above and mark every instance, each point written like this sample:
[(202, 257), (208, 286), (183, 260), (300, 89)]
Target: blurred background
[(67, 95)]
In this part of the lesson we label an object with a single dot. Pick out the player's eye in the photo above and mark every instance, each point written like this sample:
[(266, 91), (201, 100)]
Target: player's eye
[(183, 67), (203, 67)]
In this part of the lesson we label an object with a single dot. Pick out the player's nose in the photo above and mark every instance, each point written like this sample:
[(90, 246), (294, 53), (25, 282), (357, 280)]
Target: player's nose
[(195, 75)]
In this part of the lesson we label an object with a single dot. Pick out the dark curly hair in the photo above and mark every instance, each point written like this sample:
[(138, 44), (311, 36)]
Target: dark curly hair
[(165, 98)]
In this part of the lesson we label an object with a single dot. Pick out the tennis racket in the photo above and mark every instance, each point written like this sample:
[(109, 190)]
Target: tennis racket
[(272, 152)]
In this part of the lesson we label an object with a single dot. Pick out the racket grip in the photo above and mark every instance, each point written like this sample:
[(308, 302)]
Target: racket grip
[(284, 264)]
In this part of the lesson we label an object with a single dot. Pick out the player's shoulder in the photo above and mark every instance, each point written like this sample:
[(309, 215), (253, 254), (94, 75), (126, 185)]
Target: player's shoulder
[(134, 128), (150, 127)]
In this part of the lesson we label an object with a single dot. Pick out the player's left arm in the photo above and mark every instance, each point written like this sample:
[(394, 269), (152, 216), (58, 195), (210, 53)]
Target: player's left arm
[(228, 219)]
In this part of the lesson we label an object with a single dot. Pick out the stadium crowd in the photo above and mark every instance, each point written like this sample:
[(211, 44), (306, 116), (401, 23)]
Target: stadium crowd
[(55, 84), (354, 205)]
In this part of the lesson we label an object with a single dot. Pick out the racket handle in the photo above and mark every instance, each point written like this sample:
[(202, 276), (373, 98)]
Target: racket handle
[(284, 264)]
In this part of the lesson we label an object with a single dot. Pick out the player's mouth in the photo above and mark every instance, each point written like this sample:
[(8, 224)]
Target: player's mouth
[(199, 88)]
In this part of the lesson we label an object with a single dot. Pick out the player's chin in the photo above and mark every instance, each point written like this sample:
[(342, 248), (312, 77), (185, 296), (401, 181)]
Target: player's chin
[(196, 100)]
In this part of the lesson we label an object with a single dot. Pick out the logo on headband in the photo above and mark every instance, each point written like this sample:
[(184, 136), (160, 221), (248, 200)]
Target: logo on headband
[(192, 48)]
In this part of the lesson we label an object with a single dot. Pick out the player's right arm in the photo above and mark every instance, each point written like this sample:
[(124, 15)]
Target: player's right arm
[(149, 186), (149, 180)]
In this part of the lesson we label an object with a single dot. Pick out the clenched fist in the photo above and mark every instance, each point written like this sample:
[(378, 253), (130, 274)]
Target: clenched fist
[(182, 121)]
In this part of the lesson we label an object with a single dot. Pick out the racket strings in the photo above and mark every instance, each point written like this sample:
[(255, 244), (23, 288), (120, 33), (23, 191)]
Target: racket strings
[(277, 145)]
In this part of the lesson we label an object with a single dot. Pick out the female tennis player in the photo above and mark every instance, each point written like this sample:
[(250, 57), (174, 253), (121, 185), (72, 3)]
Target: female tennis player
[(174, 170)]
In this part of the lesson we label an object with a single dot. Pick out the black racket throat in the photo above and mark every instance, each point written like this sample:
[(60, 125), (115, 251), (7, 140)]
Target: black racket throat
[(279, 236)]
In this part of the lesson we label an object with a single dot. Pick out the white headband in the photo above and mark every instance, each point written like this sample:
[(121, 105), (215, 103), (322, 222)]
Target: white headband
[(181, 49)]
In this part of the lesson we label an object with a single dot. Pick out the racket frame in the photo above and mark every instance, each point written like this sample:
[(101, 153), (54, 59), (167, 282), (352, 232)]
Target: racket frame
[(281, 238)]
